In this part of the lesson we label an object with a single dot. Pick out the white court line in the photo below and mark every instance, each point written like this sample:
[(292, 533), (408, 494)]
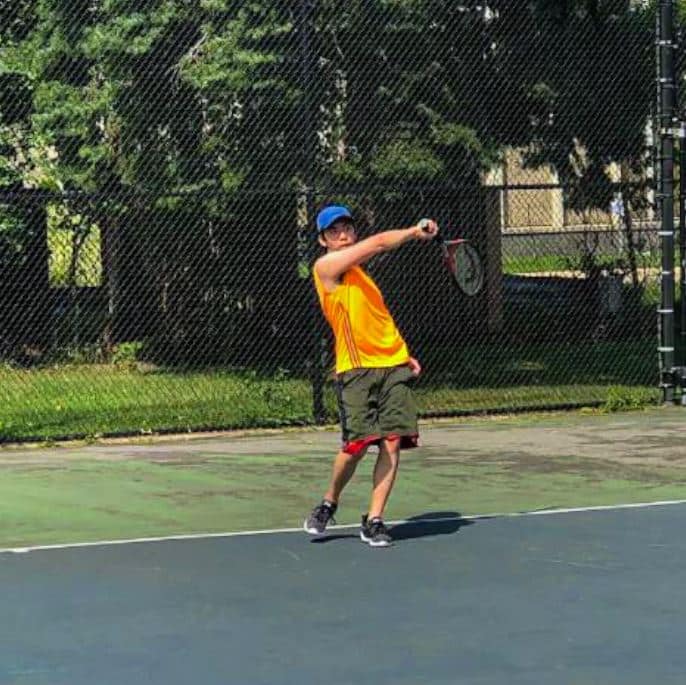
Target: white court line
[(273, 531)]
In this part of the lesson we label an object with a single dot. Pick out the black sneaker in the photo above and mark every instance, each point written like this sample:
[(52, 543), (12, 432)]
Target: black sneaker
[(375, 533), (321, 515)]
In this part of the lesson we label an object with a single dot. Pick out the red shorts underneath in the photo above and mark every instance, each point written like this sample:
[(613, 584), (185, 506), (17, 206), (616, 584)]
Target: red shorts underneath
[(354, 447)]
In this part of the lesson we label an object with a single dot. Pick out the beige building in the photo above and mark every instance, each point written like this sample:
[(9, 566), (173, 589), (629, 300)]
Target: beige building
[(539, 208)]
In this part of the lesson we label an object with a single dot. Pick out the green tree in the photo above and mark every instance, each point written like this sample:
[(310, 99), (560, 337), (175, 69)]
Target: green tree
[(180, 128)]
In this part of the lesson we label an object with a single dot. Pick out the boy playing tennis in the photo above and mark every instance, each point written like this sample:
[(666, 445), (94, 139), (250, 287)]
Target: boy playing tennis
[(374, 368)]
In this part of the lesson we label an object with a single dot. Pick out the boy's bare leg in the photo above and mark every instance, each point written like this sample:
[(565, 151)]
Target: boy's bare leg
[(385, 470), (343, 469)]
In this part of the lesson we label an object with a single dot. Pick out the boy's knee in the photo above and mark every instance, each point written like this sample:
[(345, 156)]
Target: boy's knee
[(392, 444), (392, 449)]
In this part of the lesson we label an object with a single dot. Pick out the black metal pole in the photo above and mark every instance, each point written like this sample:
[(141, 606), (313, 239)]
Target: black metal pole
[(309, 131), (667, 99), (682, 255)]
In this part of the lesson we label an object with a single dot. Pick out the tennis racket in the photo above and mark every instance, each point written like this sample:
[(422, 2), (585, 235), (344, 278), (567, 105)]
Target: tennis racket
[(462, 261)]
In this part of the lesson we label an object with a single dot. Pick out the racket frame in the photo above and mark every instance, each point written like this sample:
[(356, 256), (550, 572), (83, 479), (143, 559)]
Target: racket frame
[(450, 262)]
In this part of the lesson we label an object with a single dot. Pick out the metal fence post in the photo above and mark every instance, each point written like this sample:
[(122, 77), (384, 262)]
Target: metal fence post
[(309, 142), (682, 255), (666, 104)]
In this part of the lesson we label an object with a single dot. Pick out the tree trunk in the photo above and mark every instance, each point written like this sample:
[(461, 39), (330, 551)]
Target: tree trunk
[(34, 281), (110, 255)]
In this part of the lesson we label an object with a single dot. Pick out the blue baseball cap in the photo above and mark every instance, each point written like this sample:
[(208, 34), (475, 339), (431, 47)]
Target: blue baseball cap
[(331, 214)]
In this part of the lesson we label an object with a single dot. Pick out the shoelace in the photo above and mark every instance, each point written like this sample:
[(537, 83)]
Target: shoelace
[(378, 527), (324, 514)]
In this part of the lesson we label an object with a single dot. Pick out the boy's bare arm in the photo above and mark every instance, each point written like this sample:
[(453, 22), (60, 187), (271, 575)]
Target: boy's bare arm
[(333, 265)]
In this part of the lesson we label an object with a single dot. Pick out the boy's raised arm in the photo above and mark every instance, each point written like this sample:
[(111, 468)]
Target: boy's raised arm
[(333, 265)]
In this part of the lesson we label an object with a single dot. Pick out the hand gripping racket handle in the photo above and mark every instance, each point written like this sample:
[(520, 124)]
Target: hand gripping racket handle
[(424, 225)]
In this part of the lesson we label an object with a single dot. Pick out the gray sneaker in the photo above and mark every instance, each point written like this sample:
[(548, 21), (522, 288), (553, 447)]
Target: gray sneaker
[(374, 532), (319, 519)]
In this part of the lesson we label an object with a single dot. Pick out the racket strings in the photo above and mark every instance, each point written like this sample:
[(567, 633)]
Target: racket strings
[(463, 262)]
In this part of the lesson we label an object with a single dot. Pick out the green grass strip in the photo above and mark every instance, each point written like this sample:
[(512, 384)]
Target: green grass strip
[(91, 400)]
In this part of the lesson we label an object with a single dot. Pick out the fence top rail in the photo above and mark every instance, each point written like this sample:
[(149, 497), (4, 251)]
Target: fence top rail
[(414, 187)]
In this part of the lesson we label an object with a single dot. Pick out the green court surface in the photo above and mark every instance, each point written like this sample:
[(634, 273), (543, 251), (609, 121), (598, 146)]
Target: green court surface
[(240, 482)]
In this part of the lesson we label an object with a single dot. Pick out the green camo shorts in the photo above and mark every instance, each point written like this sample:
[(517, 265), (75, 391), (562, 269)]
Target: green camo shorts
[(377, 403)]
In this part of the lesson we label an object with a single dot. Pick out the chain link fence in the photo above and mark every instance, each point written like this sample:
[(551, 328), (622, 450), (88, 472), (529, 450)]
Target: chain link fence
[(161, 163)]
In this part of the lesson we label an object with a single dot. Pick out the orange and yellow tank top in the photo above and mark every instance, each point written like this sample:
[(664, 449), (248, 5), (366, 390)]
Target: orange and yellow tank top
[(366, 335)]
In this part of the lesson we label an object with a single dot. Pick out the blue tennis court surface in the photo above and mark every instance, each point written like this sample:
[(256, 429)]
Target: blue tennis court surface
[(593, 597)]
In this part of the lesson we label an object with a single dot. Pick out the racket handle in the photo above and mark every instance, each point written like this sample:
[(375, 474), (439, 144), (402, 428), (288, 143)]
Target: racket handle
[(424, 224)]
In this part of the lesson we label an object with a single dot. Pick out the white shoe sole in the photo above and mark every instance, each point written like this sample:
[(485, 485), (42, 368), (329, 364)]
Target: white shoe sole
[(312, 531), (372, 543)]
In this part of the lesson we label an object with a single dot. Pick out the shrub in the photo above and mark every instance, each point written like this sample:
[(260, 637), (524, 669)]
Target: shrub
[(620, 398)]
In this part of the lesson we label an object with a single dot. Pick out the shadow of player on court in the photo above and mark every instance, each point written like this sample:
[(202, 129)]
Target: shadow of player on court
[(428, 524)]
